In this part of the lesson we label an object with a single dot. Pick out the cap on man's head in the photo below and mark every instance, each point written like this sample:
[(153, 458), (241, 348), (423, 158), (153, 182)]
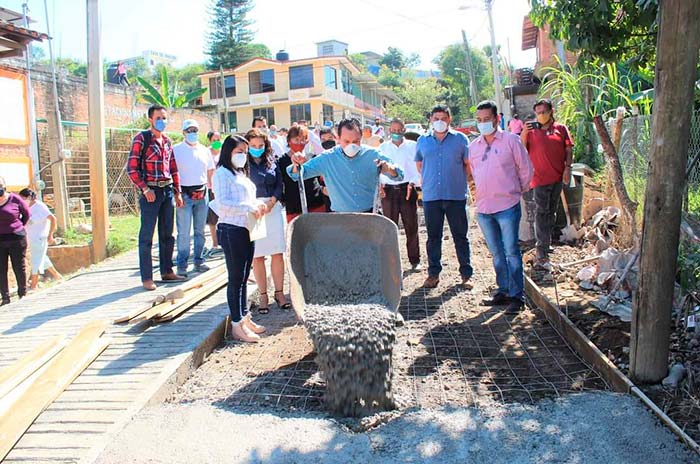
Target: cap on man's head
[(187, 123)]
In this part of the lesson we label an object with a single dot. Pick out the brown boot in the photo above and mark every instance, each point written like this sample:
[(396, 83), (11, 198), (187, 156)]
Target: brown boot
[(431, 282), (149, 285), (172, 277)]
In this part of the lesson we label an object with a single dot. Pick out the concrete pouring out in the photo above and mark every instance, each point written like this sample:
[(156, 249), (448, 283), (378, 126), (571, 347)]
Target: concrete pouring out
[(353, 343)]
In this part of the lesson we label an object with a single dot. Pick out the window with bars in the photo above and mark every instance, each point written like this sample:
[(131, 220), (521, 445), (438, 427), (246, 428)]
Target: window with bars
[(268, 113), (215, 86), (262, 81), (301, 77), (328, 113), (300, 112)]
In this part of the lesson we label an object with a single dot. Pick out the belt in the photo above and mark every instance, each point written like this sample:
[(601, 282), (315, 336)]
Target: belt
[(160, 183), (396, 186)]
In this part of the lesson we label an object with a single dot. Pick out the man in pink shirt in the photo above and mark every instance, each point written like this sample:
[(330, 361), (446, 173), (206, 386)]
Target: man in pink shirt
[(515, 125), (501, 169)]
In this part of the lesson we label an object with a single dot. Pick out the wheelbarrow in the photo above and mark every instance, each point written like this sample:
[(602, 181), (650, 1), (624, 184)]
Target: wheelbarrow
[(343, 258)]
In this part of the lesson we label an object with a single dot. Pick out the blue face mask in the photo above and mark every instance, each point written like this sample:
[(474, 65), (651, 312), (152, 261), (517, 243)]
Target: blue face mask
[(396, 137), (486, 128), (160, 124), (256, 152), (192, 137)]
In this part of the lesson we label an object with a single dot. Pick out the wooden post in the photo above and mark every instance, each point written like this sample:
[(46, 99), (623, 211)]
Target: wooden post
[(675, 75), (96, 142), (58, 170)]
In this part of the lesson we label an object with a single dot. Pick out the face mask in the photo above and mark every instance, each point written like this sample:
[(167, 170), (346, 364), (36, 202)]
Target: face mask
[(159, 124), (486, 128), (216, 145), (396, 137), (273, 133), (543, 118), (328, 144), (297, 147), (439, 126), (239, 159), (2, 191), (256, 152), (191, 137), (351, 150)]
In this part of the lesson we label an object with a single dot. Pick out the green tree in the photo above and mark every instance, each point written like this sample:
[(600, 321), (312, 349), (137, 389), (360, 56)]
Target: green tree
[(168, 96), (454, 75), (359, 60), (388, 77), (416, 98), (230, 37), (395, 60), (187, 77), (615, 31)]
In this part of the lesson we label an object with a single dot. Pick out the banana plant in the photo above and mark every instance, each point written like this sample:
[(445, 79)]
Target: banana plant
[(167, 96)]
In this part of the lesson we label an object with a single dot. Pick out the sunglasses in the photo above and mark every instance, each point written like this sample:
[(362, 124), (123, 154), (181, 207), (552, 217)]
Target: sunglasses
[(193, 130), (486, 153)]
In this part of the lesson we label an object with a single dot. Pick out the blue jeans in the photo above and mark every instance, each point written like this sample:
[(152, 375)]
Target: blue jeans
[(456, 213), (238, 252), (161, 211), (192, 215), (501, 234)]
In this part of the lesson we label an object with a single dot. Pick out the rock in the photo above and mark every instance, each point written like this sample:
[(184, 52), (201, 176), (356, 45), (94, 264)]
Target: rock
[(675, 375), (83, 228), (587, 273)]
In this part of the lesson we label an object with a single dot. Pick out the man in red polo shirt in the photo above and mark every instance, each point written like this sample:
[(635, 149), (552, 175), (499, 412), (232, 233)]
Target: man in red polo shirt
[(551, 152)]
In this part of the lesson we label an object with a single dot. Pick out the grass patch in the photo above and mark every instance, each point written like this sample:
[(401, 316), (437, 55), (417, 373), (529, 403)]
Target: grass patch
[(122, 236)]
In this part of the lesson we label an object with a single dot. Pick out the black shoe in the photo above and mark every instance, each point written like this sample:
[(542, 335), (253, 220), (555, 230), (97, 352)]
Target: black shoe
[(515, 306), (497, 300), (5, 301)]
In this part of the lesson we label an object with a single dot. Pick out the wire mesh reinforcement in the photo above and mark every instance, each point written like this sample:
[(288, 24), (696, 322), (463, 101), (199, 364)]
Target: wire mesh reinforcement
[(448, 352)]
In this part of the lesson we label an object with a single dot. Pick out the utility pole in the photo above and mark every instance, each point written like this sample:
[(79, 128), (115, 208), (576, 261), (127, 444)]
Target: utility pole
[(473, 91), (56, 144), (494, 56), (227, 129), (33, 139), (674, 80), (96, 141)]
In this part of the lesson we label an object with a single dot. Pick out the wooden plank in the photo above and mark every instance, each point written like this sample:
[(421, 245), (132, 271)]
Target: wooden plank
[(59, 373), (581, 343), (19, 371), (206, 291)]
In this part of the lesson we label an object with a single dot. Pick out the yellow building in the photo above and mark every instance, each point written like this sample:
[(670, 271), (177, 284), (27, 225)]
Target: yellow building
[(319, 89)]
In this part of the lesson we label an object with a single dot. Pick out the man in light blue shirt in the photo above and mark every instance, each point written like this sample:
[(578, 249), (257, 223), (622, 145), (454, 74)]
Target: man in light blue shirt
[(442, 158), (350, 171)]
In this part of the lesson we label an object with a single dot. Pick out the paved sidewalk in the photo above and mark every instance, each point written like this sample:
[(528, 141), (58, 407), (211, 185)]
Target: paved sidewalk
[(140, 360)]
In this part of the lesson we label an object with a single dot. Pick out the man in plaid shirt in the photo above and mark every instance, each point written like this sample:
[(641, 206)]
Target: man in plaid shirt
[(151, 167)]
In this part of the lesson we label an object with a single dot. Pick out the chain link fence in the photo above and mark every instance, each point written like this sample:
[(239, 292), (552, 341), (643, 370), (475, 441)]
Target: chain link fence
[(122, 195), (635, 151)]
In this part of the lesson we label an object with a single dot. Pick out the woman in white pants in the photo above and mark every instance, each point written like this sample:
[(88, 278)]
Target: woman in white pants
[(40, 230)]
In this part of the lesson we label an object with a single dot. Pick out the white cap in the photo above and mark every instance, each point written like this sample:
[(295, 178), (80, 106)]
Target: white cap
[(187, 123)]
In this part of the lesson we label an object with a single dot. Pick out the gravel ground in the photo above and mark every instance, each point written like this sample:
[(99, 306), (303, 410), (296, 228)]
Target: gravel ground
[(589, 428), (472, 386)]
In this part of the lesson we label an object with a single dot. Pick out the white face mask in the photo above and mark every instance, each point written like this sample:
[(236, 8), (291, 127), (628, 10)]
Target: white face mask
[(439, 126), (239, 159), (351, 150), (486, 128)]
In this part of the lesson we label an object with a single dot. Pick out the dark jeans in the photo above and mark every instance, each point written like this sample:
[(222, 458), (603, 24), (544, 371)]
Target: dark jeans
[(15, 249), (456, 213), (394, 204), (238, 251), (162, 212), (501, 234), (546, 202)]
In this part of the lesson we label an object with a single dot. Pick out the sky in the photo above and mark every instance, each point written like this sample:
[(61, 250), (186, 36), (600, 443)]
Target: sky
[(179, 27)]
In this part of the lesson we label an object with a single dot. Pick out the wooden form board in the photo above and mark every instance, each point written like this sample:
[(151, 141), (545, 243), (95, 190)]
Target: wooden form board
[(58, 374), (19, 371), (154, 310), (195, 298)]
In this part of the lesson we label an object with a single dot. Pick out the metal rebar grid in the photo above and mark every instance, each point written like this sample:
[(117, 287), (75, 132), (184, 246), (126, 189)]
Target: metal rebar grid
[(450, 351)]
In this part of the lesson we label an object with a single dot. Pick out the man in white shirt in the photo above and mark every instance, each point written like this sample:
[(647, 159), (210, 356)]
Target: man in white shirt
[(196, 167), (400, 197)]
